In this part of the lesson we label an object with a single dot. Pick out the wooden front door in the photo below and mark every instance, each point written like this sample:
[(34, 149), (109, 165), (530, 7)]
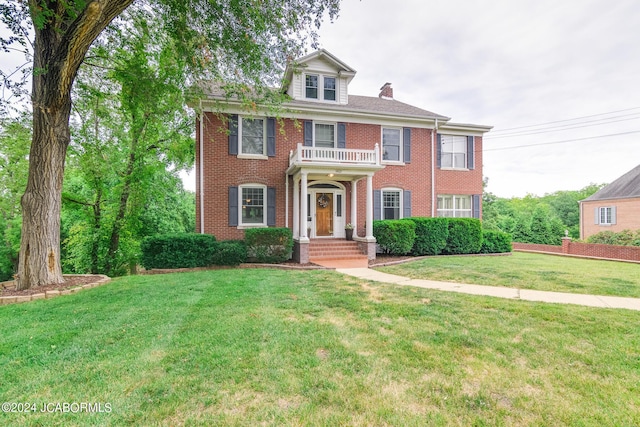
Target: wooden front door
[(324, 214)]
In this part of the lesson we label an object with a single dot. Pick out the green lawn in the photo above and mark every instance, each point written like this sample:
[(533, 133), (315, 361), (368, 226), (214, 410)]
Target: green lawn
[(529, 271), (272, 347)]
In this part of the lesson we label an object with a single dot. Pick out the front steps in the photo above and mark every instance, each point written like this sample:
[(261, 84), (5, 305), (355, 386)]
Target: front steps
[(336, 252)]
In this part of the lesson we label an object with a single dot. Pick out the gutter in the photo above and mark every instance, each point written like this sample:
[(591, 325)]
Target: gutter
[(433, 169)]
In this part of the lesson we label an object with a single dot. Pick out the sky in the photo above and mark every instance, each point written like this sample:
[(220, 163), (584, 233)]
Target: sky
[(558, 81)]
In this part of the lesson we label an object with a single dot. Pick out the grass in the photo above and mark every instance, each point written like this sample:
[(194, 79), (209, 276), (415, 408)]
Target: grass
[(530, 271), (271, 347)]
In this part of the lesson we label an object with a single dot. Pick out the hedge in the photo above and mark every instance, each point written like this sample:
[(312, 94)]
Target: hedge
[(269, 245), (495, 242), (184, 250), (229, 252), (431, 235), (465, 236), (395, 236)]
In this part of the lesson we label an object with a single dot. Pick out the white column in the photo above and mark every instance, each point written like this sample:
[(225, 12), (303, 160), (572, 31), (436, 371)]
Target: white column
[(369, 234), (303, 207), (296, 206), (354, 207)]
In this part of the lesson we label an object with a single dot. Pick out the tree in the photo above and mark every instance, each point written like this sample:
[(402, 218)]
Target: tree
[(229, 39)]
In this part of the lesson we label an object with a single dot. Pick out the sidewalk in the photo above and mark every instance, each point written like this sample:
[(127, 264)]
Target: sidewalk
[(496, 291)]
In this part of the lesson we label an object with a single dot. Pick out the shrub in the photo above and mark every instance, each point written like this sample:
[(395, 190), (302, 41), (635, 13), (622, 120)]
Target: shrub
[(621, 238), (465, 236), (229, 252), (495, 242), (431, 235), (395, 236), (269, 245), (177, 250)]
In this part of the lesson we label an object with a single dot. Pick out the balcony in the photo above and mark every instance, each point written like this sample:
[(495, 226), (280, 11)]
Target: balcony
[(334, 156)]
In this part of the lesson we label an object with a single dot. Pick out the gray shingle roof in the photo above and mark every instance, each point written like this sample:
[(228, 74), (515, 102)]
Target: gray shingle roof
[(625, 187)]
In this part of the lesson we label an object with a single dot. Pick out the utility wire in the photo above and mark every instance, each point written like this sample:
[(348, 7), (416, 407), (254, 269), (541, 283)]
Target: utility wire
[(560, 128), (560, 142)]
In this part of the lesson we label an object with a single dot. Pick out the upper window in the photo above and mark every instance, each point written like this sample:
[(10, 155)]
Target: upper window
[(391, 144), (454, 151), (330, 88), (454, 206), (252, 136), (252, 200), (391, 202), (606, 215), (311, 86), (325, 135)]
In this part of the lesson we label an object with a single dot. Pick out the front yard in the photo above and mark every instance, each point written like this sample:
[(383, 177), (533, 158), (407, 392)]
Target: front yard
[(273, 347), (529, 271)]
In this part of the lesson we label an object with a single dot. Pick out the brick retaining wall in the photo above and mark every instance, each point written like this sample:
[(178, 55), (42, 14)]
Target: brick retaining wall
[(588, 250)]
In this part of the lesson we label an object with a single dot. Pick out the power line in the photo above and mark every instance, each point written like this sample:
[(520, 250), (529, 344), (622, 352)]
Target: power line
[(561, 142), (565, 120), (564, 127)]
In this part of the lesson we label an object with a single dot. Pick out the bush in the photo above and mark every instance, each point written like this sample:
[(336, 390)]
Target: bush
[(622, 238), (229, 252), (495, 242), (431, 235), (465, 236), (395, 236), (269, 245), (177, 250)]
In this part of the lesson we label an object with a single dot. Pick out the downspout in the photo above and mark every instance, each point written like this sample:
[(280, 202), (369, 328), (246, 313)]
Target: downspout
[(201, 150), (286, 200), (433, 169)]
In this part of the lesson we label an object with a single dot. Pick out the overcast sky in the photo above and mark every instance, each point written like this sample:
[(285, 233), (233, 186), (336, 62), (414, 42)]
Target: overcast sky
[(510, 64)]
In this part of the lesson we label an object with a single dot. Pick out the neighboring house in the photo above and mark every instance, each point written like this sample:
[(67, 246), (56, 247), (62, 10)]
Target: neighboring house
[(615, 207), (332, 159)]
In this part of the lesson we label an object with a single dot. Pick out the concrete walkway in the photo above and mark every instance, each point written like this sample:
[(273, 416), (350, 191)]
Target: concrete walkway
[(496, 291)]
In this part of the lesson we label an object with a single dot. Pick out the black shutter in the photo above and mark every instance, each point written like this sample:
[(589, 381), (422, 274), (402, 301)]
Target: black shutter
[(470, 153), (271, 206), (233, 134), (406, 139), (271, 137), (342, 135), (377, 208), (439, 151), (475, 205), (308, 133), (233, 206), (406, 204)]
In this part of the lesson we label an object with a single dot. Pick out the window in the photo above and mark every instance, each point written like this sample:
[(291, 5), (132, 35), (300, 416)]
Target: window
[(606, 215), (311, 86), (391, 204), (252, 137), (252, 200), (330, 88), (454, 206), (325, 135), (391, 143), (454, 151)]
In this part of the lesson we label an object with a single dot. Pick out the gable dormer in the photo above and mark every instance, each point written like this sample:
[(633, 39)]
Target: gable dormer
[(319, 77)]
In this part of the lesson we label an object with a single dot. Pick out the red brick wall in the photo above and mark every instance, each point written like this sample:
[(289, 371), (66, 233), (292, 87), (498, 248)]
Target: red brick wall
[(535, 247), (222, 170), (590, 250), (627, 216)]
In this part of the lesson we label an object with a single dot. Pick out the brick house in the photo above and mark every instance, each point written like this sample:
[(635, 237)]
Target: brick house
[(329, 160), (615, 207)]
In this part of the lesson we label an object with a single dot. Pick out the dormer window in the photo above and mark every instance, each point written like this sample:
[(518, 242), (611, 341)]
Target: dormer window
[(330, 88), (311, 84)]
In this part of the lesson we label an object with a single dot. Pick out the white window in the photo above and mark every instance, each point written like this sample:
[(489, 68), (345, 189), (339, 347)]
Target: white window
[(454, 206), (329, 88), (325, 135), (606, 215), (253, 198), (453, 149), (392, 144), (320, 87), (391, 204), (252, 136), (311, 86)]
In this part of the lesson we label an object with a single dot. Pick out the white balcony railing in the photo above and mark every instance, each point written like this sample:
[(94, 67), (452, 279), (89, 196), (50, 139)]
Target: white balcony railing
[(334, 155)]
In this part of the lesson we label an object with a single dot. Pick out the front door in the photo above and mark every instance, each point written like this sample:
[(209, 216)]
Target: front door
[(324, 214)]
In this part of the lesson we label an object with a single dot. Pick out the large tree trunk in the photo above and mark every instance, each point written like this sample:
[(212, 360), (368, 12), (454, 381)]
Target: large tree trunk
[(62, 39)]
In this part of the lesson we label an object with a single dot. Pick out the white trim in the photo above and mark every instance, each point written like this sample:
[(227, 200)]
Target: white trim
[(243, 155), (453, 153), (320, 88), (400, 161), (335, 132), (242, 225), (453, 209)]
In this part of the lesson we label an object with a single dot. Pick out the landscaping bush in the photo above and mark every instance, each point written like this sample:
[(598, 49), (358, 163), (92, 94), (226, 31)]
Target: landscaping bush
[(495, 242), (621, 238), (465, 236), (177, 250), (395, 236), (431, 235), (229, 252), (269, 245)]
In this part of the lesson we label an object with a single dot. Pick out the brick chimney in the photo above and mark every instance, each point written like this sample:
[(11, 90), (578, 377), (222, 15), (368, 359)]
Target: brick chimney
[(386, 92)]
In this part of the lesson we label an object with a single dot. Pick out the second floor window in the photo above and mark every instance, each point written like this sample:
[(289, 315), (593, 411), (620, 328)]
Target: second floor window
[(454, 151), (391, 145), (253, 140), (325, 135)]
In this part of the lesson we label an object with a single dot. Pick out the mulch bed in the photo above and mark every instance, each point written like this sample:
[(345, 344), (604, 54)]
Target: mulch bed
[(7, 289)]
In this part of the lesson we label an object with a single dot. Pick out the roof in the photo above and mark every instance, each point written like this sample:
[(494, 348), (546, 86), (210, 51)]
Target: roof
[(625, 187)]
